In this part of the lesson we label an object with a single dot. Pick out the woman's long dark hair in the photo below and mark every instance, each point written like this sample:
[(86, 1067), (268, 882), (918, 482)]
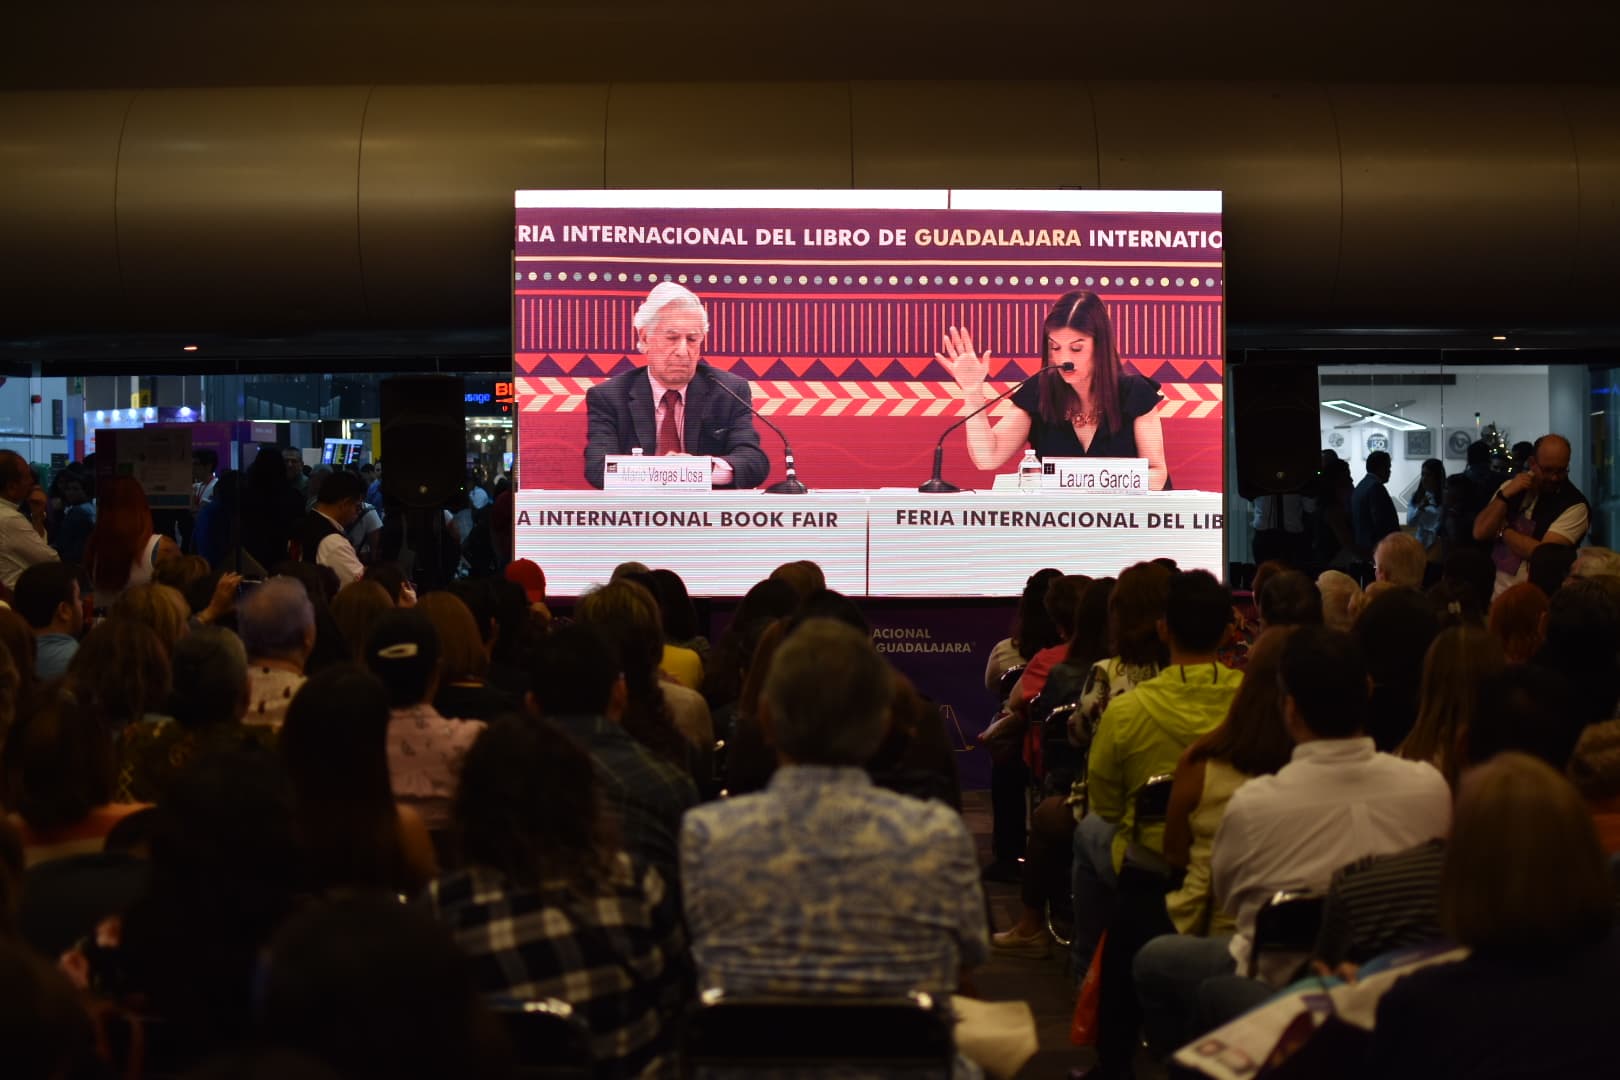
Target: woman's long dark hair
[(1032, 628), (627, 615), (1088, 642), (334, 744), (123, 526), (1252, 738), (528, 805), (1084, 312)]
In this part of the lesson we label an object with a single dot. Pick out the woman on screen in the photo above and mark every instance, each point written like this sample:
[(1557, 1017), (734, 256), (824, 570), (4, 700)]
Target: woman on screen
[(1096, 410)]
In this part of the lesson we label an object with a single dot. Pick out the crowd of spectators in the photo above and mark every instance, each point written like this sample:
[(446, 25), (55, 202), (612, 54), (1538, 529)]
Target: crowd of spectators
[(317, 823)]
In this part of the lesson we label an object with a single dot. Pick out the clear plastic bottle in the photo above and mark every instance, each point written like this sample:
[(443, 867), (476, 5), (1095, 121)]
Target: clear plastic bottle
[(1029, 472)]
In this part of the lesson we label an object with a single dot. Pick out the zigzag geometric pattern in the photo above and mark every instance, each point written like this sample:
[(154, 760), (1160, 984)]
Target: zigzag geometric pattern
[(849, 397), (858, 369)]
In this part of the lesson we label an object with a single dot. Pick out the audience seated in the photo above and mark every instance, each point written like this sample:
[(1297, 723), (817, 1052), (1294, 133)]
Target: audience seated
[(1062, 600), (1581, 643), (1394, 632), (548, 906), (1386, 902), (334, 743), (277, 623), (425, 748), (1143, 734), (1526, 887), (464, 688), (728, 665), (47, 596), (1341, 599), (793, 890), (1250, 742), (1593, 561), (378, 991), (1458, 662), (355, 611), (580, 688), (1338, 799), (1518, 622), (121, 673), (1400, 559), (1289, 598), (44, 1029), (1470, 567), (1549, 565), (17, 640), (682, 635), (671, 719), (803, 577), (1594, 768), (160, 608)]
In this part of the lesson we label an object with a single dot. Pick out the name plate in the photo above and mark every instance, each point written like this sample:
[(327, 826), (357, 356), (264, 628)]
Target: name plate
[(1095, 476), (672, 472)]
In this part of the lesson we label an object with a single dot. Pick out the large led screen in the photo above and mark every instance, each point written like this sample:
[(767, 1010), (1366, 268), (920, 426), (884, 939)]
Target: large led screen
[(863, 325)]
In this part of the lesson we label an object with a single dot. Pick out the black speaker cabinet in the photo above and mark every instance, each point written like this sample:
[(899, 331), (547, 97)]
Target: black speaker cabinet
[(1276, 420), (424, 438)]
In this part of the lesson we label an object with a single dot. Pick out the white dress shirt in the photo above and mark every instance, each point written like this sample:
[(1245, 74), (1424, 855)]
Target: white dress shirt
[(337, 552), (20, 545), (722, 473), (1336, 801)]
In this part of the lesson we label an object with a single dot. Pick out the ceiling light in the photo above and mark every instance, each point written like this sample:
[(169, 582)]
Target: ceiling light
[(1366, 414), (188, 348), (1498, 337)]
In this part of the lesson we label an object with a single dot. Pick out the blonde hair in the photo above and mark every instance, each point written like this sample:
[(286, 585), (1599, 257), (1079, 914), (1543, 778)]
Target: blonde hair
[(1595, 562), (1341, 599), (1594, 767), (160, 608), (1402, 559), (1524, 870), (1458, 661)]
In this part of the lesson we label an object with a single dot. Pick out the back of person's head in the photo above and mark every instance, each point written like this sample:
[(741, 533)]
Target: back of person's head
[(1594, 561), (320, 582), (1088, 636), (1138, 603), (379, 991), (479, 596), (43, 1025), (1289, 598), (527, 574), (1478, 453), (1524, 872), (339, 487), (1459, 662), (1341, 599), (461, 647), (803, 575), (161, 607), (42, 589), (123, 525), (1063, 600), (1528, 709), (1264, 573), (1401, 559), (1253, 738), (18, 640), (59, 763), (390, 577), (828, 604), (574, 671), (769, 599), (1033, 629), (1583, 621), (181, 572), (675, 605), (210, 678), (528, 805), (121, 672), (1454, 604), (1395, 630), (355, 611), (277, 620), (627, 615), (1198, 611), (1517, 621), (1549, 565), (1324, 674), (817, 717), (403, 652), (1594, 767)]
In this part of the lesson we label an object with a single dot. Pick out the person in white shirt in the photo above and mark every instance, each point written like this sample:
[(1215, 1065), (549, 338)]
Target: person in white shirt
[(322, 536), (1336, 801), (1537, 506), (22, 519)]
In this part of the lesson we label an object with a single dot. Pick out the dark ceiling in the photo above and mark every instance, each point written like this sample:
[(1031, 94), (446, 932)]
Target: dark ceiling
[(101, 44)]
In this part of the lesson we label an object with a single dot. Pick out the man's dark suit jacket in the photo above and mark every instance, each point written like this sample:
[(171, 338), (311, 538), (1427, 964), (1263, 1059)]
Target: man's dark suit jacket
[(622, 416), (1372, 512)]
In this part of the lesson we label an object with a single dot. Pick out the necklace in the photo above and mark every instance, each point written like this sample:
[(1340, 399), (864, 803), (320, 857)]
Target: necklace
[(1082, 417)]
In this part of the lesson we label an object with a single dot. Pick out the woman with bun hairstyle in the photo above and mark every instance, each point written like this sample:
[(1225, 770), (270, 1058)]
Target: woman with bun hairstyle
[(1095, 410)]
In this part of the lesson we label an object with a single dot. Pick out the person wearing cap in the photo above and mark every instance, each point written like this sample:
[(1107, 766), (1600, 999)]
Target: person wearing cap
[(425, 749), (527, 574), (674, 404)]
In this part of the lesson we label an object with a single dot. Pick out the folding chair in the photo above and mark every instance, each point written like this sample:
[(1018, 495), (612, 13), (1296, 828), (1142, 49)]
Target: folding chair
[(910, 1036), (1285, 929)]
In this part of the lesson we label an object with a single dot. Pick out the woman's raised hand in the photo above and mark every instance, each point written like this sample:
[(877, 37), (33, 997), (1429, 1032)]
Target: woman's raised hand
[(966, 366)]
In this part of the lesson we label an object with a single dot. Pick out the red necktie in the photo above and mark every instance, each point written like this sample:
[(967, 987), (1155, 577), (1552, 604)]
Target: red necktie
[(669, 434)]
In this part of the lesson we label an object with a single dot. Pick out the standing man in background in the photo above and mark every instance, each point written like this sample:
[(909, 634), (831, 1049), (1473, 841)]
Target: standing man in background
[(1372, 511)]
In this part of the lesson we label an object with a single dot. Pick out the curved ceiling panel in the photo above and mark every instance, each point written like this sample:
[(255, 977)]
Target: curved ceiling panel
[(1592, 112), (1457, 200), (1269, 147), (438, 167), (59, 178), (966, 135), (728, 135), (238, 207)]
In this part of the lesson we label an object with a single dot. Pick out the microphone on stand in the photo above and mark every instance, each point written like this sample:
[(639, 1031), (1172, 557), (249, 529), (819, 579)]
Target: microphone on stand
[(788, 486), (937, 485)]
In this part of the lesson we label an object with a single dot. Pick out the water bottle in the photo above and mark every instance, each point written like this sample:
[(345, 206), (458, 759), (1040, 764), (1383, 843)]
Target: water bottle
[(1029, 472)]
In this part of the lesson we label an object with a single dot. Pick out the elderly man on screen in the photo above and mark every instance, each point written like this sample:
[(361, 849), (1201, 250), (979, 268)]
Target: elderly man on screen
[(1537, 506), (675, 405)]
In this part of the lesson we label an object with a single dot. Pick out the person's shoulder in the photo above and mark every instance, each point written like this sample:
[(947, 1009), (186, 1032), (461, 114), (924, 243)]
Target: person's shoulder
[(618, 386), (1138, 394), (1028, 396), (1420, 774)]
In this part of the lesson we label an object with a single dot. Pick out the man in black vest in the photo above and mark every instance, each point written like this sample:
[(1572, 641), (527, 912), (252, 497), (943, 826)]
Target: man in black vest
[(1537, 506), (321, 536)]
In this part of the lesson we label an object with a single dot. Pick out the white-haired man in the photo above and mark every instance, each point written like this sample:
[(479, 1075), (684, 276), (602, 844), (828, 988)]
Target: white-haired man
[(669, 406)]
